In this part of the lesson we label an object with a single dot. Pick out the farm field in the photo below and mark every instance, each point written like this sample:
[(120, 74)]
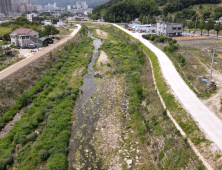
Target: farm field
[(5, 30)]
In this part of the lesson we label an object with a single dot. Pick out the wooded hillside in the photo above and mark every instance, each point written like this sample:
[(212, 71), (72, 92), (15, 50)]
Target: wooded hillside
[(126, 10)]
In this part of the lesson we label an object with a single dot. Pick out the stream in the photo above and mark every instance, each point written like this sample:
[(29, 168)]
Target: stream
[(82, 154)]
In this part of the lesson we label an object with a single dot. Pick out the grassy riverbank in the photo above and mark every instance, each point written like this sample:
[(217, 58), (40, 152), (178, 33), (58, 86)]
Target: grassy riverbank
[(183, 118), (146, 125), (43, 132)]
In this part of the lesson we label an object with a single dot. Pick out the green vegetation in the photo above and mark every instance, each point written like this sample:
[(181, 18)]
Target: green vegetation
[(44, 131), (185, 121), (8, 56), (65, 32), (2, 67), (125, 11), (5, 30), (150, 123)]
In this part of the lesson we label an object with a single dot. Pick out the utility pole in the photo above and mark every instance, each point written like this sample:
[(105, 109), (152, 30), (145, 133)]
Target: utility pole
[(195, 30), (132, 17), (211, 67)]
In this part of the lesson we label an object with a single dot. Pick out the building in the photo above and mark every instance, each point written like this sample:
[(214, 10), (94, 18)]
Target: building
[(25, 37), (14, 6), (169, 29), (78, 5), (61, 24), (44, 41), (54, 20), (84, 5), (220, 20), (144, 28), (32, 17), (2, 15), (69, 7)]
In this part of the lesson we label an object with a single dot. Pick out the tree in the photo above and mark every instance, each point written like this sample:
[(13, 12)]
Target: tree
[(163, 19), (190, 25), (206, 14), (209, 25), (50, 30), (200, 6), (128, 19), (21, 21), (170, 19), (217, 28), (175, 20), (6, 37), (153, 21), (144, 20), (202, 25), (141, 18), (184, 24)]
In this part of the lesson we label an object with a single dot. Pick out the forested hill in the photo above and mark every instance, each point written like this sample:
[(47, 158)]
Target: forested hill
[(125, 10)]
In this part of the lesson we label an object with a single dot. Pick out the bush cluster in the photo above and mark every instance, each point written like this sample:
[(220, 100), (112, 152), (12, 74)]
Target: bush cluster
[(159, 38)]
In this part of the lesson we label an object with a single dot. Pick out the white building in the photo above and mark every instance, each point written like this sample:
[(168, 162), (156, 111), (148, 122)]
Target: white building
[(84, 5), (30, 16), (220, 20), (2, 15), (25, 37), (78, 5), (61, 24), (69, 7), (169, 29)]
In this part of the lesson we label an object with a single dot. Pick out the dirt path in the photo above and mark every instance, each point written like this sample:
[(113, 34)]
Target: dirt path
[(15, 67)]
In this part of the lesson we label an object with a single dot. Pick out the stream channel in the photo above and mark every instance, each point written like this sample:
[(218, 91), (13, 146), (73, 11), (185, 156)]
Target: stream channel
[(82, 154)]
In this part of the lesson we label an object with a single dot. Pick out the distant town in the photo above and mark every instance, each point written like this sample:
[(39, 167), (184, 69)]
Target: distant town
[(14, 8)]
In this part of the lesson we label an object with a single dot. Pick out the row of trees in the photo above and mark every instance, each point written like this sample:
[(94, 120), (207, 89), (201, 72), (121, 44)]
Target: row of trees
[(210, 25)]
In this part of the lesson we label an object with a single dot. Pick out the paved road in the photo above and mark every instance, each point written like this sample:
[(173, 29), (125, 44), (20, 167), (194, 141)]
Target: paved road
[(15, 67), (207, 120)]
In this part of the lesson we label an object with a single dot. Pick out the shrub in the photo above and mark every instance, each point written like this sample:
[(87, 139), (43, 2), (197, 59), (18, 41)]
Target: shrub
[(128, 124), (161, 155), (43, 154), (177, 132), (164, 113), (31, 137), (2, 125), (25, 99), (108, 64), (174, 41), (98, 76)]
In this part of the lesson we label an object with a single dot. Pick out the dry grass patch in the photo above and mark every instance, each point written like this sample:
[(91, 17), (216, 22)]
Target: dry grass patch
[(101, 34)]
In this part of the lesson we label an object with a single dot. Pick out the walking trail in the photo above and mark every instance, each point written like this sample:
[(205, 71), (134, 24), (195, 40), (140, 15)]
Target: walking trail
[(206, 119), (15, 67)]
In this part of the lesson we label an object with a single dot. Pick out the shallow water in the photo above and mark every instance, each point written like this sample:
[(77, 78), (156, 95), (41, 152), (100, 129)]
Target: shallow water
[(82, 154)]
